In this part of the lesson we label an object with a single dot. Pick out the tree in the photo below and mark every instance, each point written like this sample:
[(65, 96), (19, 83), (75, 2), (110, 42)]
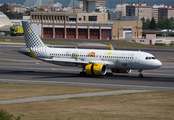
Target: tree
[(4, 8), (148, 22), (160, 24), (172, 19), (165, 24), (152, 24), (145, 23), (6, 116)]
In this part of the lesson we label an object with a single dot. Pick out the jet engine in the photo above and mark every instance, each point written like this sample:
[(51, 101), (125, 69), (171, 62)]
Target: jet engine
[(95, 69), (121, 70)]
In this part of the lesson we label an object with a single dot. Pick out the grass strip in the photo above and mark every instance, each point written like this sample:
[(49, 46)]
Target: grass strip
[(137, 106), (15, 90), (46, 42), (6, 61), (126, 44), (169, 61)]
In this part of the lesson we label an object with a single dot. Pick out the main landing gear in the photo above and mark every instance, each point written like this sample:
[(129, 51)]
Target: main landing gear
[(83, 73), (140, 75)]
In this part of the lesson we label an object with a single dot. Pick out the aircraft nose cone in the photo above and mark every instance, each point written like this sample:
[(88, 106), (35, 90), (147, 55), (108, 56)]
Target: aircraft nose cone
[(158, 64)]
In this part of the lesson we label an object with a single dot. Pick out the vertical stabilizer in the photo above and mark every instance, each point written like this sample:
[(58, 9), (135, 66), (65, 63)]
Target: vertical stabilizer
[(31, 38)]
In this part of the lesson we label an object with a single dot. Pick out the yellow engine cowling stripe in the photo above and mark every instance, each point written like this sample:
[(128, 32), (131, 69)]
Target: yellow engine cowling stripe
[(88, 69), (95, 69)]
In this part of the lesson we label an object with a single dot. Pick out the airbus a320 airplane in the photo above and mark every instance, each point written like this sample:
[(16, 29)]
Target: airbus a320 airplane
[(92, 62)]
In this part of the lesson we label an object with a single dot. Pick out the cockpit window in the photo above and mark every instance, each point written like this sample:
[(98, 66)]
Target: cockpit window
[(148, 58)]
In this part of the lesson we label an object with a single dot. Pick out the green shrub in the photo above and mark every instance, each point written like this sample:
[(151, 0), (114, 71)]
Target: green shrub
[(172, 43), (133, 41), (6, 116)]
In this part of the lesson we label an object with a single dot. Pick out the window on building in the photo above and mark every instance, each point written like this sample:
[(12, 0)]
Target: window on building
[(66, 18), (80, 19), (72, 19), (92, 18), (40, 17)]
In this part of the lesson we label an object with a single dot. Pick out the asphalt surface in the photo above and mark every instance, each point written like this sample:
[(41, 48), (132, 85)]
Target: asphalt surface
[(15, 67)]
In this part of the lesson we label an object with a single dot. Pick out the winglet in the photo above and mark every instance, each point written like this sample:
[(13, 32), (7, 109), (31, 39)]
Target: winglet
[(111, 47), (32, 53)]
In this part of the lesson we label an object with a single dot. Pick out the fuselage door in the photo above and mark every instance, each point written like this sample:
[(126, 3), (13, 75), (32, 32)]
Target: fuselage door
[(137, 58)]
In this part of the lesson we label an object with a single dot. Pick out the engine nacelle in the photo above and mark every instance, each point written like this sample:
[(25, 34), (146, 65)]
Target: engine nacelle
[(95, 69), (121, 70)]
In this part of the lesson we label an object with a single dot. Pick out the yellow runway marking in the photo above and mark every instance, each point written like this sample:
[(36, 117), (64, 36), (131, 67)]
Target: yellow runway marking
[(169, 56), (159, 55), (53, 69), (157, 71), (6, 40), (37, 63)]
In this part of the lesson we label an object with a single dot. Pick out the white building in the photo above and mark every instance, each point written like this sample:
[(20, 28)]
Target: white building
[(18, 22), (19, 9), (101, 9), (57, 4), (155, 10), (122, 8), (5, 23), (115, 14), (89, 5), (151, 39)]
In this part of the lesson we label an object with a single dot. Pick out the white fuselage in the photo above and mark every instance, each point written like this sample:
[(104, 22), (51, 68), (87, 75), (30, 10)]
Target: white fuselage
[(112, 58)]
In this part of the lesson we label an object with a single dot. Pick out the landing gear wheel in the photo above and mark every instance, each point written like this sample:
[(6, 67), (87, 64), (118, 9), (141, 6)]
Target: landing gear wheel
[(82, 74), (140, 75)]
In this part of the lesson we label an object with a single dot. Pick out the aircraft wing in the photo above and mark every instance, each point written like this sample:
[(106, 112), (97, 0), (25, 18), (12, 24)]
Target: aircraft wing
[(65, 60), (75, 61)]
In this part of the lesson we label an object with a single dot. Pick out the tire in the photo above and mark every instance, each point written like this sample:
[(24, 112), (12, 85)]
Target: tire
[(83, 74)]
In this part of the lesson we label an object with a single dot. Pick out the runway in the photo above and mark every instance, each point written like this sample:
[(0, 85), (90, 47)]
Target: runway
[(15, 67)]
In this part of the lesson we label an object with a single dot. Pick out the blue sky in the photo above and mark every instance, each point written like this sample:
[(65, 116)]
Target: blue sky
[(65, 2)]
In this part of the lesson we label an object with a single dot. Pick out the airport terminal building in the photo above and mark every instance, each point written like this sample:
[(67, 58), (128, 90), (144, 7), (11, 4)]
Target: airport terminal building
[(83, 25)]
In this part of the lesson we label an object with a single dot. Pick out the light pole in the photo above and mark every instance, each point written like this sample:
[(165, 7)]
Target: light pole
[(138, 9), (73, 5)]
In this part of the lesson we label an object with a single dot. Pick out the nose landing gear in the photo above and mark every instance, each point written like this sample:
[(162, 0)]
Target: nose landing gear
[(140, 75)]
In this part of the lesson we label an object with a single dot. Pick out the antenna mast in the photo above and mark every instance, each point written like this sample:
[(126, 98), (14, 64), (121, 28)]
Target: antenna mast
[(121, 7)]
